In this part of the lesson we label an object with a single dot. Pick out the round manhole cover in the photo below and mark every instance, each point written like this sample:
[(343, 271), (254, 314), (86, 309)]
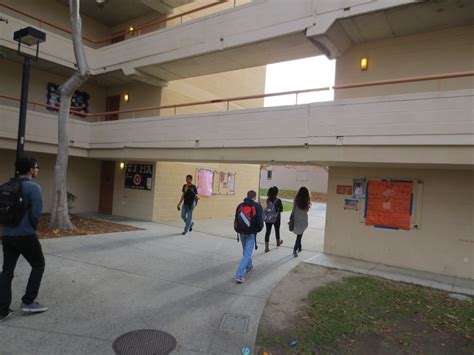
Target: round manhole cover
[(144, 341)]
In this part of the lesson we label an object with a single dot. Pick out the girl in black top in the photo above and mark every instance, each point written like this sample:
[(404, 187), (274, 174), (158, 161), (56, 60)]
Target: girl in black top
[(273, 216)]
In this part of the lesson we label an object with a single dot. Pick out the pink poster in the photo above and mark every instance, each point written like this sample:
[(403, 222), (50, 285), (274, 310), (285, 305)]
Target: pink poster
[(205, 182)]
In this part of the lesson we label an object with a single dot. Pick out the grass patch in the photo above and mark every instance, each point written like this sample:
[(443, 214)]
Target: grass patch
[(363, 305), (287, 206), (290, 194)]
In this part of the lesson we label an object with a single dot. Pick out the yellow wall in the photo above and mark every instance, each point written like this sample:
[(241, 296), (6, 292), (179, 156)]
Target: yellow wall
[(445, 242), (170, 178), (206, 12), (10, 84), (141, 95), (130, 202), (83, 178), (431, 53), (55, 12), (215, 86)]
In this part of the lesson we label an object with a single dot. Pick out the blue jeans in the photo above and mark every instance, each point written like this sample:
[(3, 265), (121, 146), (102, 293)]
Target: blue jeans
[(187, 215), (248, 243)]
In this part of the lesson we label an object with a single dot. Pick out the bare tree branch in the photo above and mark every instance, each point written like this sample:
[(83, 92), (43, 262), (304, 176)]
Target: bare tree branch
[(60, 213)]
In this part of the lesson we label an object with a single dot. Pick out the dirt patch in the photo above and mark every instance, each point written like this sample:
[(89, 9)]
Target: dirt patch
[(289, 299), (288, 308), (84, 226)]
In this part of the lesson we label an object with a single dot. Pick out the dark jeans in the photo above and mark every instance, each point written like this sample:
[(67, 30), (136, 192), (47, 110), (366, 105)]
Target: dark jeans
[(268, 230), (298, 242), (13, 247)]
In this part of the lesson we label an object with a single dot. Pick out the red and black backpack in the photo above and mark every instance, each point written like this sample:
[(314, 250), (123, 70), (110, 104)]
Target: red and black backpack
[(245, 218)]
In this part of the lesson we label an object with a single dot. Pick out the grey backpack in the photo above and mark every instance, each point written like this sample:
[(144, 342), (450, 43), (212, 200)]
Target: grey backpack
[(271, 212)]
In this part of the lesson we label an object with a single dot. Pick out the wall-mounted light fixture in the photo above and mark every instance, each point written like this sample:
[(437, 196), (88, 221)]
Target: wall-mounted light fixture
[(126, 97), (364, 63), (122, 165)]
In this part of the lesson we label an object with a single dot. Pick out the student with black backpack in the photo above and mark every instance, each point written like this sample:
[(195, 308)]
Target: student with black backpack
[(247, 223), (273, 212), (19, 238)]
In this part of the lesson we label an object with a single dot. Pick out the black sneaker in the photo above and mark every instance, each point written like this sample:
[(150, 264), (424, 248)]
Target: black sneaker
[(191, 226), (295, 254), (6, 316), (34, 307)]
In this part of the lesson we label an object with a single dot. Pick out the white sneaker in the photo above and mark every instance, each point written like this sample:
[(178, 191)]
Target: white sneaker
[(34, 307)]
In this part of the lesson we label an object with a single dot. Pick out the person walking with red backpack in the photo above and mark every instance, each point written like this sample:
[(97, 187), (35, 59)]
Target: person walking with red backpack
[(272, 213), (247, 223)]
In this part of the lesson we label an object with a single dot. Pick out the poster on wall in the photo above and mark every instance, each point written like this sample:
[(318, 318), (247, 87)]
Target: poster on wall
[(139, 176), (205, 182), (79, 100), (231, 182), (351, 204), (359, 187), (344, 189), (389, 204)]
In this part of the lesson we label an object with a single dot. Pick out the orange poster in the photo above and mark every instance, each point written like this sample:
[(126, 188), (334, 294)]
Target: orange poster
[(389, 203)]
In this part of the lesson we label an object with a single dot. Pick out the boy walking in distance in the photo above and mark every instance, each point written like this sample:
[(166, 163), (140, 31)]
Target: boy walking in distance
[(189, 198), (22, 240), (247, 223)]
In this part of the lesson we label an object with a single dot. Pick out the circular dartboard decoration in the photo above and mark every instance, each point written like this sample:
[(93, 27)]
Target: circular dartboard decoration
[(137, 179)]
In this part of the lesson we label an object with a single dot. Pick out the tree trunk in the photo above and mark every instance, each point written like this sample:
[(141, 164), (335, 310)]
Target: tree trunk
[(60, 212)]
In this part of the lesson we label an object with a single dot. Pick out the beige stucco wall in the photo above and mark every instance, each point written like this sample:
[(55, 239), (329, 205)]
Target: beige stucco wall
[(55, 12), (140, 95), (292, 177), (206, 12), (445, 242), (10, 84), (431, 53), (170, 177), (215, 86), (130, 202), (83, 178)]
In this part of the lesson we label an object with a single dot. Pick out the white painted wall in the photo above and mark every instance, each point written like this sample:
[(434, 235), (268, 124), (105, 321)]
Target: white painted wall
[(445, 242)]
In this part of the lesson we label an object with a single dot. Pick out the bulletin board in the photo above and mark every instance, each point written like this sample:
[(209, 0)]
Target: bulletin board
[(393, 204), (215, 182)]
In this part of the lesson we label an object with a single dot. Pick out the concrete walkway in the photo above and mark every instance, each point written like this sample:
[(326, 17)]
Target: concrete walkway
[(100, 287)]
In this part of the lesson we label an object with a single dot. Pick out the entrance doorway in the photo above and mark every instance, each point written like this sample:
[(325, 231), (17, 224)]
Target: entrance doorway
[(289, 179), (112, 104), (106, 198)]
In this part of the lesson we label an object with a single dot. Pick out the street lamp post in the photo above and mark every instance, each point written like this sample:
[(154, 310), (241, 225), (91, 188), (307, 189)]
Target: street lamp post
[(28, 36)]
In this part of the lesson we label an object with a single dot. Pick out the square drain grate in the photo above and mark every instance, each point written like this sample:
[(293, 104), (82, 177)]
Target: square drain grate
[(234, 323)]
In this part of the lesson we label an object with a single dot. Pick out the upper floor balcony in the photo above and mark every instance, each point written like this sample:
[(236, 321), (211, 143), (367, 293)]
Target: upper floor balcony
[(422, 129), (248, 35)]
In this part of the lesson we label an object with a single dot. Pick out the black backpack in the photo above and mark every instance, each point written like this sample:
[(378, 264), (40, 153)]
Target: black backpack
[(12, 206)]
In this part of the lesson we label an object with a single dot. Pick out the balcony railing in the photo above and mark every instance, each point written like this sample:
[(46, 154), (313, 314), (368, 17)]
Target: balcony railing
[(120, 36), (224, 104)]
